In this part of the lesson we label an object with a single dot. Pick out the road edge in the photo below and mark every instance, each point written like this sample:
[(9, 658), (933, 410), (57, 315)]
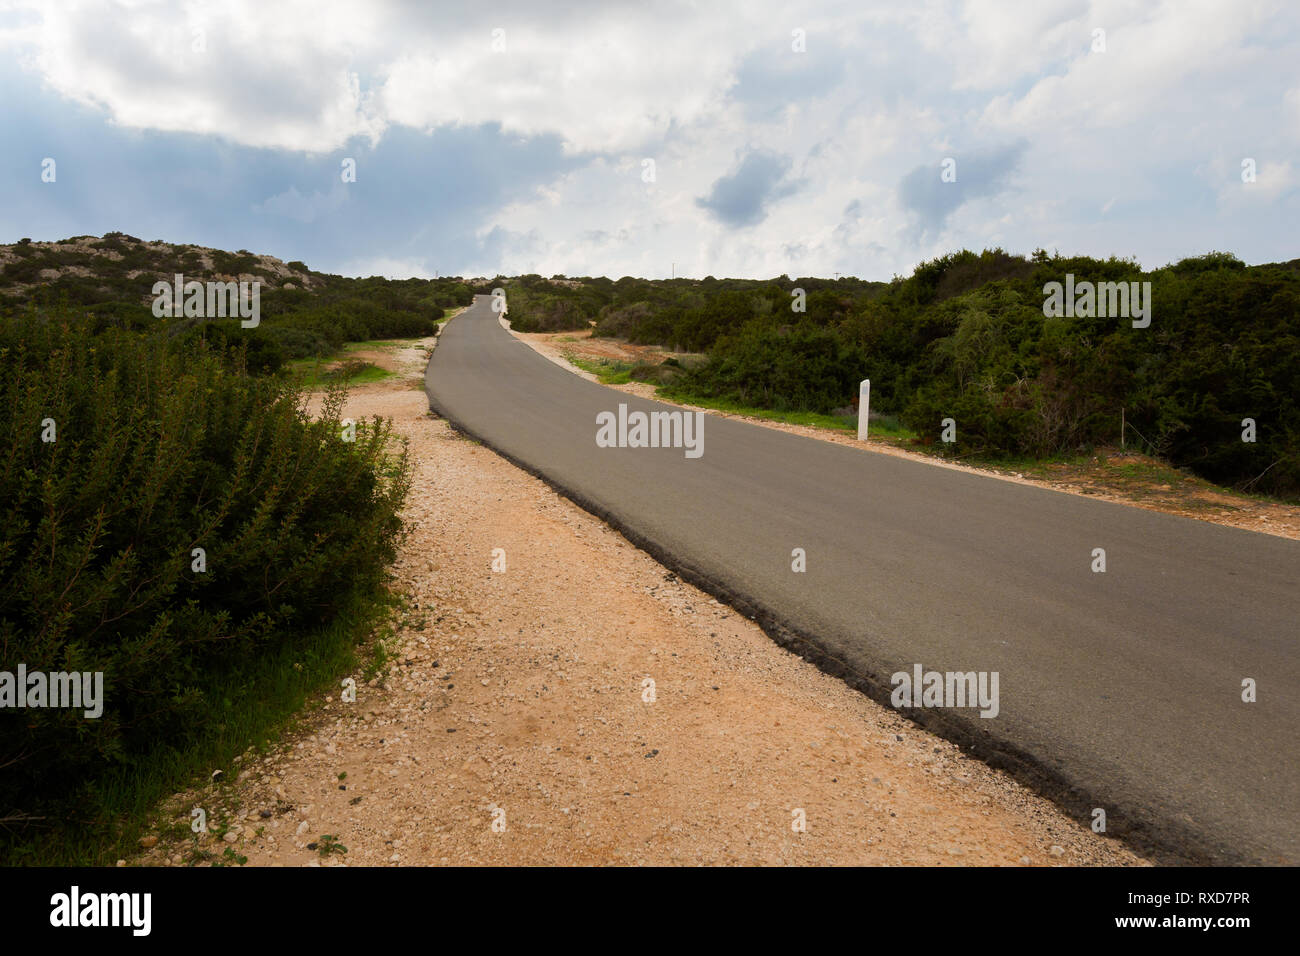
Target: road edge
[(1163, 841)]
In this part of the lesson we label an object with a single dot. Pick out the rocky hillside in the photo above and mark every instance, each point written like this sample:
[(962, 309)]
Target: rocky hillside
[(108, 282), (118, 266)]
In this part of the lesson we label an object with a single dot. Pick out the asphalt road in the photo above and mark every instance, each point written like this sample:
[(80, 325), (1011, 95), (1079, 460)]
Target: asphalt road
[(1120, 690)]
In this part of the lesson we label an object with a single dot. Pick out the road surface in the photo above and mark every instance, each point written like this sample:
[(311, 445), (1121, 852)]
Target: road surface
[(1119, 690)]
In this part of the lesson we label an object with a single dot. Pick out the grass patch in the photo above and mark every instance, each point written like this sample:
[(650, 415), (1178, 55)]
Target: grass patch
[(621, 372), (884, 426), (1112, 470), (887, 427), (608, 371), (359, 373), (1029, 467), (260, 704), (386, 345), (318, 373), (618, 372), (321, 370)]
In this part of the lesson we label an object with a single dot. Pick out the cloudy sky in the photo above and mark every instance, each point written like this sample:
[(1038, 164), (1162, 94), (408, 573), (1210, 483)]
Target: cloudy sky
[(631, 138)]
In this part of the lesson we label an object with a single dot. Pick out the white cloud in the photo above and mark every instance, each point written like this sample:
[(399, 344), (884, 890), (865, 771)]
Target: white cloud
[(1182, 91), (623, 80), (310, 74), (1273, 180), (280, 76)]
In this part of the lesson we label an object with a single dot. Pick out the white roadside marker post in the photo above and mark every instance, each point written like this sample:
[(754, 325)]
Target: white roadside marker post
[(864, 404)]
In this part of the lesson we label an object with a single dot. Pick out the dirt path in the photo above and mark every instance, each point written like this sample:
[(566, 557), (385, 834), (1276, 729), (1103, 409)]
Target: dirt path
[(517, 725)]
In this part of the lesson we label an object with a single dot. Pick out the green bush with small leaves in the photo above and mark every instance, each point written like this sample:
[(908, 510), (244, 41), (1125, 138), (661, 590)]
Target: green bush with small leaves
[(161, 447)]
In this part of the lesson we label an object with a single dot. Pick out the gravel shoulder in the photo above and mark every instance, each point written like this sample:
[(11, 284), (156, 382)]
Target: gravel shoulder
[(584, 706)]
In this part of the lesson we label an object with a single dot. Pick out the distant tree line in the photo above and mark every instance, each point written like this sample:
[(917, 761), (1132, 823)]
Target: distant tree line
[(965, 338)]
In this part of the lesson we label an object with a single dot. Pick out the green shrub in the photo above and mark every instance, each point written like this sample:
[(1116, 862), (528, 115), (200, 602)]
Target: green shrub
[(787, 368), (298, 343), (159, 451)]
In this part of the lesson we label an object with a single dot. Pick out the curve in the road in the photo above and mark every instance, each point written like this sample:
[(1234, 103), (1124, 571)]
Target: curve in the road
[(1119, 690)]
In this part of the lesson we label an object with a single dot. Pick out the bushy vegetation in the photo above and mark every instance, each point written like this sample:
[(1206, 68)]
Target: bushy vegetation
[(800, 367), (303, 314), (171, 435), (684, 314), (304, 323), (159, 451), (964, 337)]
